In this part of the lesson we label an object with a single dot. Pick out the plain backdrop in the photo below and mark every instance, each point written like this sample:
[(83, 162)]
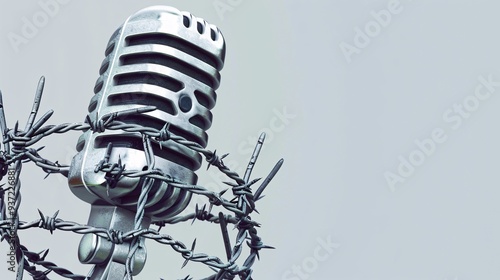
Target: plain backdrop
[(365, 86)]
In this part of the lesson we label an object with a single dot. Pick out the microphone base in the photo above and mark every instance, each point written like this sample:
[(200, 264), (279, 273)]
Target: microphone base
[(109, 258)]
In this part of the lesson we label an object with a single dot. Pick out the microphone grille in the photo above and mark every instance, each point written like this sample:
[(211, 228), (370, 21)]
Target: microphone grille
[(168, 59), (159, 57)]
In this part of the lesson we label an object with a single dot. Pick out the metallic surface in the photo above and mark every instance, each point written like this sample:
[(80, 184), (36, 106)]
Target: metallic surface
[(112, 166), (163, 58), (159, 57), (242, 204), (110, 258)]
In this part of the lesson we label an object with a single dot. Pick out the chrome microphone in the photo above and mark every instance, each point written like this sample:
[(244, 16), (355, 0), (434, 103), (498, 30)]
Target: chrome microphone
[(159, 57)]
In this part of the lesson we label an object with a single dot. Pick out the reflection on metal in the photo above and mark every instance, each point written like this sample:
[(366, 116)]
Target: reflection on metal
[(143, 140)]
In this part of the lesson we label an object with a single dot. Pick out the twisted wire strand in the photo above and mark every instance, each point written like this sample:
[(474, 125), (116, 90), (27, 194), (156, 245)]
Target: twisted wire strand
[(39, 259), (242, 205), (51, 224), (141, 203)]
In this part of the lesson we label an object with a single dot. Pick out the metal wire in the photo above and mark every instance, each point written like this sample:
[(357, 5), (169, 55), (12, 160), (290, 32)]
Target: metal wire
[(17, 150)]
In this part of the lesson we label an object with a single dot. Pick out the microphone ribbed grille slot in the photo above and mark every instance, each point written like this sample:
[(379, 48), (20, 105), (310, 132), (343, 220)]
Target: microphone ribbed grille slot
[(111, 46), (200, 122), (170, 62), (135, 142), (92, 105), (174, 42), (104, 66), (149, 78), (141, 98), (148, 121), (204, 100)]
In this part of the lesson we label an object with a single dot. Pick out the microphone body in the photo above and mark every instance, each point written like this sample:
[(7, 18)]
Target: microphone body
[(159, 57)]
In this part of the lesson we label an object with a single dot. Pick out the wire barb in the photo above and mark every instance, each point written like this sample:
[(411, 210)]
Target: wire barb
[(17, 149)]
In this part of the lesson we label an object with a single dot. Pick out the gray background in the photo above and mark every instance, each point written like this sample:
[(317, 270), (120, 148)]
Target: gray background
[(354, 118)]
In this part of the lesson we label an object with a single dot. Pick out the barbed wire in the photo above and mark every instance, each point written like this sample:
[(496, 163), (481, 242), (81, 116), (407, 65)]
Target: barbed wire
[(17, 150)]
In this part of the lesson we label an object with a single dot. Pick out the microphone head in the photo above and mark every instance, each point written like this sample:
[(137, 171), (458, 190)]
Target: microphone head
[(159, 57)]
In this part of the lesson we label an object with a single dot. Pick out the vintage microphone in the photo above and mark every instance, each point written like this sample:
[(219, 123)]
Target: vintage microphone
[(159, 57)]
